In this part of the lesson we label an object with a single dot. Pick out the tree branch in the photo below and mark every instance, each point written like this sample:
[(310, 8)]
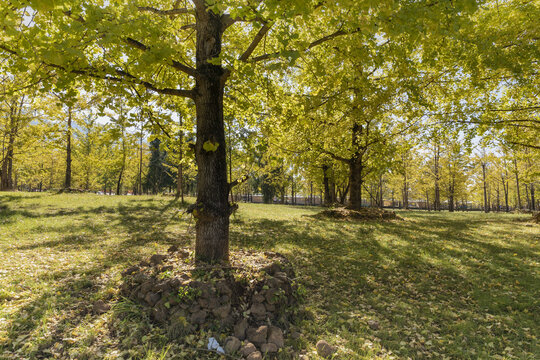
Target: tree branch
[(310, 46), (164, 12), (256, 40), (175, 64), (237, 182)]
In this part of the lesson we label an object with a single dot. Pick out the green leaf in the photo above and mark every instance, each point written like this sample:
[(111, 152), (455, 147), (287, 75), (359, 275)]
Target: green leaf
[(210, 146)]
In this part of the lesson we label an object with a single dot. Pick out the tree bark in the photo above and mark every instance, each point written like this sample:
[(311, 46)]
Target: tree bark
[(212, 207), (356, 182), (326, 185), (67, 181), (517, 184), (437, 203), (180, 175), (533, 201), (486, 208), (6, 179)]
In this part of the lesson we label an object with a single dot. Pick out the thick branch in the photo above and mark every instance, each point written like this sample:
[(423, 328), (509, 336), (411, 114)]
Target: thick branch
[(256, 40), (175, 64), (336, 157), (240, 181), (310, 46), (164, 12)]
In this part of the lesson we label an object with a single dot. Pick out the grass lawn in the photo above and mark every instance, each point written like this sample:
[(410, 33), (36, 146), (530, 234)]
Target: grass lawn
[(439, 285)]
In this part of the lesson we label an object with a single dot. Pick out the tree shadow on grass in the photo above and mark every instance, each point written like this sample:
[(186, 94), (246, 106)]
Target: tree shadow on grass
[(423, 275)]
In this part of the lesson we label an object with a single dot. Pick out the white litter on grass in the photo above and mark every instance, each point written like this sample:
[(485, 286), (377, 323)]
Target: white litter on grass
[(214, 345)]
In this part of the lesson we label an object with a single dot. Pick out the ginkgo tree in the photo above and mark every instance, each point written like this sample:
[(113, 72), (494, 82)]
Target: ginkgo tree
[(193, 49)]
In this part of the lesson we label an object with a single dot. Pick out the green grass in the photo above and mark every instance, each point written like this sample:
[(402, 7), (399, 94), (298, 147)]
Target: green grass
[(454, 286)]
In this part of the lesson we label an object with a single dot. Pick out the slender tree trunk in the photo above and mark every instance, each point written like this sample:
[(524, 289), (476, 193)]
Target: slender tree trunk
[(180, 174), (437, 204), (533, 201), (326, 185), (67, 181), (405, 191), (498, 198), (139, 174), (517, 184), (212, 207), (344, 194), (505, 188), (356, 182), (486, 208)]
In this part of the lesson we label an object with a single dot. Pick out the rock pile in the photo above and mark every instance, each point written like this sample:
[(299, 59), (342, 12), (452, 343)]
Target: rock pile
[(358, 214), (253, 298)]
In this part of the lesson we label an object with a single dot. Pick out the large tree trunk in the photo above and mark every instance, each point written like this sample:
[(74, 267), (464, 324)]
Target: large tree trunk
[(6, 179), (356, 168), (212, 207), (67, 181)]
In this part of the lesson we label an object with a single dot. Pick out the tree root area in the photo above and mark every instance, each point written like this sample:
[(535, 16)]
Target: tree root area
[(249, 303)]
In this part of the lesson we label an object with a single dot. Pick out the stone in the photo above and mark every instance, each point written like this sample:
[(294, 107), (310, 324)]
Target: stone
[(295, 335), (199, 317), (272, 268), (258, 311), (140, 278), (175, 283), (100, 307), (222, 312), (223, 288), (281, 276), (247, 349), (182, 254), (203, 302), (152, 298), (271, 295), (159, 314), (130, 270), (270, 307), (258, 298), (240, 329), (166, 268), (146, 287), (162, 287), (257, 335), (232, 345), (255, 356), (324, 349), (274, 283), (373, 324), (275, 336), (269, 348), (213, 303), (157, 259)]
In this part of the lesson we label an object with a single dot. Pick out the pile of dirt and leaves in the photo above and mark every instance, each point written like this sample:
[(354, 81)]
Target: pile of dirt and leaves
[(536, 217), (343, 213), (245, 307)]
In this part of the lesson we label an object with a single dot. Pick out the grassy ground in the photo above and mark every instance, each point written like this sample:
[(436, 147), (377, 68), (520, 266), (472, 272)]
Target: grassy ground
[(440, 285)]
